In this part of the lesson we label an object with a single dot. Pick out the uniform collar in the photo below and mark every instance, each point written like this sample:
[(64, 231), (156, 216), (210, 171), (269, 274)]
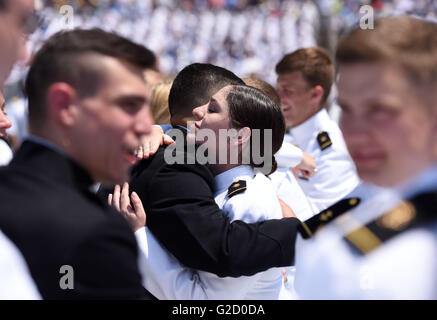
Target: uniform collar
[(425, 181), (304, 132), (223, 180), (46, 159)]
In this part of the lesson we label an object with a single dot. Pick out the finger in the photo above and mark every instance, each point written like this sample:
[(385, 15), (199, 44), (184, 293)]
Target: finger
[(154, 147), (110, 199), (124, 200), (168, 140), (146, 150), (307, 173), (116, 197), (140, 153), (138, 205)]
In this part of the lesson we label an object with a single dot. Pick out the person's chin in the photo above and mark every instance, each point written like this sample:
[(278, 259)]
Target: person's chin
[(286, 111), (379, 176)]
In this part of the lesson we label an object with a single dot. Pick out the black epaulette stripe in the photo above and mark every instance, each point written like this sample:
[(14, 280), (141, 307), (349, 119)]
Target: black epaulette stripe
[(407, 215), (324, 140), (237, 187), (310, 226)]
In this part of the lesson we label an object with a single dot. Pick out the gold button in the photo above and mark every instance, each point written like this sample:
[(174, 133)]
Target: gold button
[(353, 202)]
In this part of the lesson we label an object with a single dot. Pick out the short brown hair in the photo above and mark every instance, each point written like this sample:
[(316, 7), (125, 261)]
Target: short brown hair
[(264, 87), (63, 58), (314, 63), (408, 42)]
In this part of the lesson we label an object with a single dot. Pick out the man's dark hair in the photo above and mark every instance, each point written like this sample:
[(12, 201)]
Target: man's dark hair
[(2, 4), (67, 57), (195, 84)]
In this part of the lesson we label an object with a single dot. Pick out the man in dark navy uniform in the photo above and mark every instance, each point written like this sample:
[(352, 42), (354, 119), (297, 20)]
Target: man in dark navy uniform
[(179, 201), (88, 106)]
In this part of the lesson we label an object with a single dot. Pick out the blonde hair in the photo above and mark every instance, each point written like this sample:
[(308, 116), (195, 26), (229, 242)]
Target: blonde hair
[(159, 102)]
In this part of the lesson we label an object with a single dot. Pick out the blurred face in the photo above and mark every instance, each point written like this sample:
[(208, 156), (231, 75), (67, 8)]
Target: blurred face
[(387, 128), (297, 98), (4, 121), (14, 22), (108, 125), (213, 116)]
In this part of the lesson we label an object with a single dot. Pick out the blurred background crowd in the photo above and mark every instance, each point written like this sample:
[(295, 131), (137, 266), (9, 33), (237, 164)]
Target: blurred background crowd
[(246, 36)]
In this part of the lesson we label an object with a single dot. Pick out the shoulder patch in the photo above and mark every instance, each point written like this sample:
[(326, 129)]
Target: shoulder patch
[(368, 237), (324, 140), (237, 187), (308, 227)]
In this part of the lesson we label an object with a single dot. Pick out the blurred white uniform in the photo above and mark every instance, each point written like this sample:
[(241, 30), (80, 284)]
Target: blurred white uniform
[(289, 191), (5, 153), (166, 278), (352, 257), (287, 187), (336, 175), (15, 280)]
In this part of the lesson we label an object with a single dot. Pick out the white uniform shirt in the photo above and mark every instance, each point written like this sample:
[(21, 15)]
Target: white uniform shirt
[(5, 153), (336, 175), (15, 280), (287, 187), (166, 278)]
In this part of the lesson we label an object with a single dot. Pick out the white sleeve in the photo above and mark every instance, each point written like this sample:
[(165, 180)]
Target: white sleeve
[(15, 279), (165, 278), (162, 273), (5, 153), (288, 156)]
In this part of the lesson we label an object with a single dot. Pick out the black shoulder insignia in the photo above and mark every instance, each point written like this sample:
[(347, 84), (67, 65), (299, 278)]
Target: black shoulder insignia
[(368, 237), (310, 226), (324, 140), (237, 187)]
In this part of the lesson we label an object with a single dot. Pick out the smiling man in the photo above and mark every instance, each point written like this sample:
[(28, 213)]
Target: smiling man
[(304, 81), (88, 107), (384, 249)]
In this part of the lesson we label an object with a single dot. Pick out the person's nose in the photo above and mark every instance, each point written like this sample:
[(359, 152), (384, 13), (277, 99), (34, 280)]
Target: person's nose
[(354, 128), (199, 112), (23, 53), (5, 123)]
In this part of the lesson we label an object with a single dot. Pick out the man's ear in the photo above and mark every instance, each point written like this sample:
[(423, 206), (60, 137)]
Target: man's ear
[(60, 103), (243, 135), (317, 94)]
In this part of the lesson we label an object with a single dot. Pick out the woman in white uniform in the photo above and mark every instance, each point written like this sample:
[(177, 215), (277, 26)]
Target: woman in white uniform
[(240, 191)]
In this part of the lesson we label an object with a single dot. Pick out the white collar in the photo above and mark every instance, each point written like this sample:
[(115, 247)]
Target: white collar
[(304, 132), (424, 181), (223, 180)]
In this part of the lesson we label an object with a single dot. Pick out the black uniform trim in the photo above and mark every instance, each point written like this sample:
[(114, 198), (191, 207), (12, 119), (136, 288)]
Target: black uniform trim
[(324, 140), (310, 226), (407, 215)]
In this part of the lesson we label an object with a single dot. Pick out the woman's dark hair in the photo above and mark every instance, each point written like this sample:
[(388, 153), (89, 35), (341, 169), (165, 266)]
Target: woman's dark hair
[(250, 107)]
